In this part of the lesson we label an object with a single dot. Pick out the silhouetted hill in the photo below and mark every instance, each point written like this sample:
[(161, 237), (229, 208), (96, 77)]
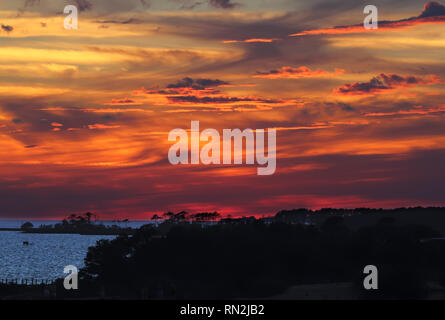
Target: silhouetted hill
[(259, 258), (360, 217)]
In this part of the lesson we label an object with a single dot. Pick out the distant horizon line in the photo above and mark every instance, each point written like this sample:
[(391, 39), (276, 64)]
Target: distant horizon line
[(222, 215)]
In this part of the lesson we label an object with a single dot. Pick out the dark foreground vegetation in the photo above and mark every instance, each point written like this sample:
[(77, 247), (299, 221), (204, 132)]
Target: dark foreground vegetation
[(184, 258), (252, 258)]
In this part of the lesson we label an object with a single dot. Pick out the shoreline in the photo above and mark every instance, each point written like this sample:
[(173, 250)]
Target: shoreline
[(46, 232)]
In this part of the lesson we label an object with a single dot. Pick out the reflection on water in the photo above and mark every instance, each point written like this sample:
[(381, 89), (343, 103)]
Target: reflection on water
[(45, 257)]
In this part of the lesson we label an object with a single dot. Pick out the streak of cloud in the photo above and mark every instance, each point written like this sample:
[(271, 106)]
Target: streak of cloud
[(385, 83), (433, 13), (295, 73)]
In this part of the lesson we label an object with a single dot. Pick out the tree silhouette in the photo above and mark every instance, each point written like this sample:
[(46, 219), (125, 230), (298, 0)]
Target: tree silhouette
[(88, 216), (26, 226)]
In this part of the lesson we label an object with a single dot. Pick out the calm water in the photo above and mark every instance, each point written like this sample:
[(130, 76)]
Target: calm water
[(4, 223), (45, 257)]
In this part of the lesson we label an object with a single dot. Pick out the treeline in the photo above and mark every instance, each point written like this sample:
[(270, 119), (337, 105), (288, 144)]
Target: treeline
[(185, 216), (77, 224), (260, 260), (360, 217), (353, 218)]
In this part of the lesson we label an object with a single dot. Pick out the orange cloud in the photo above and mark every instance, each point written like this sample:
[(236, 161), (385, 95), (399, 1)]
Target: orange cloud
[(418, 110), (115, 110), (125, 101), (205, 93), (101, 126), (98, 110), (253, 40)]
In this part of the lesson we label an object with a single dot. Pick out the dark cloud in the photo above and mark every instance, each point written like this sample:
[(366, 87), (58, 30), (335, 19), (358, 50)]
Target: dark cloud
[(233, 27), (7, 28), (224, 28), (394, 79), (290, 72), (433, 9), (126, 21), (223, 4), (99, 7), (384, 82), (220, 4), (375, 84), (188, 4), (418, 168), (146, 3), (31, 3), (216, 100), (84, 5), (191, 6), (205, 92), (122, 101), (433, 12), (198, 84)]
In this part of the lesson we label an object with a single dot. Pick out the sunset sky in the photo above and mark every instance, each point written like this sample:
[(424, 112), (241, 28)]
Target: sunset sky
[(85, 114)]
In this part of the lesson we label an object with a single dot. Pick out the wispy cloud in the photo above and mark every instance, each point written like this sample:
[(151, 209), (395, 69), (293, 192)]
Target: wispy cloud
[(294, 73), (102, 126), (417, 110), (433, 13), (384, 83), (84, 5), (205, 93), (253, 40), (224, 4)]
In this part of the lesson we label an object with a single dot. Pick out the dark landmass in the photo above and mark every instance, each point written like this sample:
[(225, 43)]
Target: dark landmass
[(297, 254), (77, 224)]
